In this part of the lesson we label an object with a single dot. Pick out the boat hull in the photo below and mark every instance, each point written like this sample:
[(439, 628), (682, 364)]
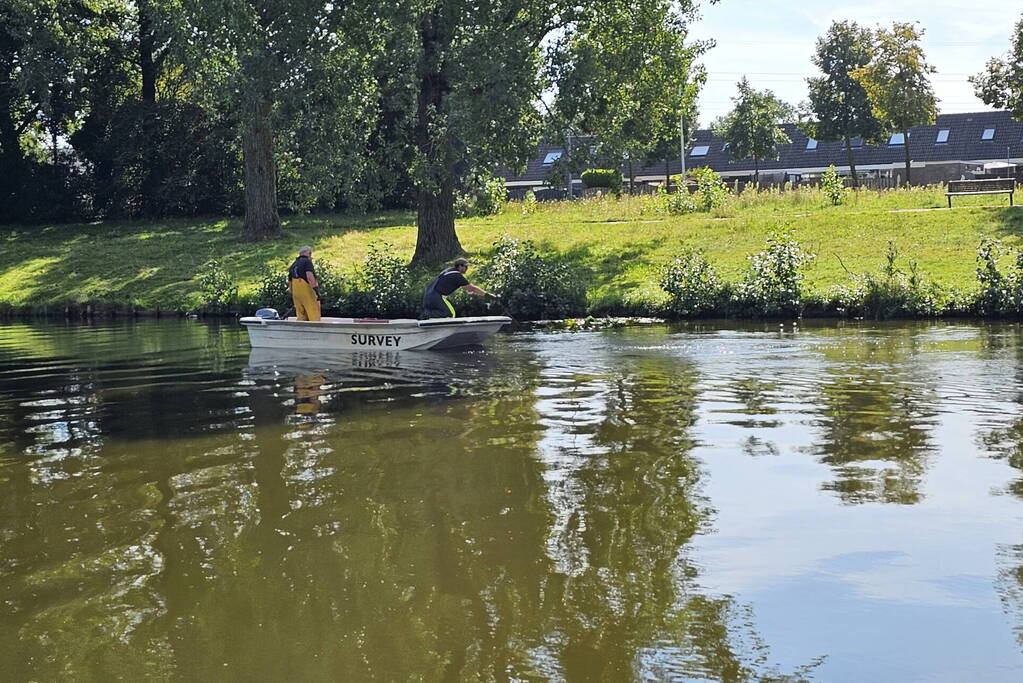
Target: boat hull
[(353, 334)]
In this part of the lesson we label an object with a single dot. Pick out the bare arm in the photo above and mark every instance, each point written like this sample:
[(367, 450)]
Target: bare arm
[(311, 279), (473, 289)]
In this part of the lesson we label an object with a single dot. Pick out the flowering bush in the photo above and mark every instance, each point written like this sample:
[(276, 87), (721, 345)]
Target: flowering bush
[(692, 285), (773, 284)]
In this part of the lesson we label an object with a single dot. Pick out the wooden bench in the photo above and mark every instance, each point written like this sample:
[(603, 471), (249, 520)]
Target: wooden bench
[(958, 188)]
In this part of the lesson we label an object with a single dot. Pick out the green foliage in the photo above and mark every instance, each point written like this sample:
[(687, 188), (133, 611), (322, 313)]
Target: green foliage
[(692, 285), (533, 286), (603, 177), (838, 103), (383, 286), (897, 82), (751, 128), (773, 283), (1001, 292), (711, 192), (217, 288), (529, 203), (678, 203), (833, 185), (1000, 85), (485, 196), (891, 293), (626, 75)]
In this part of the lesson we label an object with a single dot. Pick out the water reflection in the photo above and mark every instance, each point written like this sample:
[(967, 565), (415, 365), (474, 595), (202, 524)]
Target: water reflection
[(876, 409), (174, 507)]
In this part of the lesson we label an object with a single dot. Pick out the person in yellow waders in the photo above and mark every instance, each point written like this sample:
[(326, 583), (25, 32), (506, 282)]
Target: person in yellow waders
[(303, 285)]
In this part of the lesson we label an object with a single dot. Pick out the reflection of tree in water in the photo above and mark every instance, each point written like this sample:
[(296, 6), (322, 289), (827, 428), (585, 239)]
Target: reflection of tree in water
[(389, 539), (876, 413), (624, 604), (1009, 583), (1005, 442)]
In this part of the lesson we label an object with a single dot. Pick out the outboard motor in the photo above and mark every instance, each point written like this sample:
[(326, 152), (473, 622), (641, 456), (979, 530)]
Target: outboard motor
[(267, 314)]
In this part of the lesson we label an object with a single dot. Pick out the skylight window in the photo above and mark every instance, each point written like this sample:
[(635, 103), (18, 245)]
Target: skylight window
[(811, 144), (700, 151), (988, 134), (551, 158), (897, 139), (856, 142), (942, 137)]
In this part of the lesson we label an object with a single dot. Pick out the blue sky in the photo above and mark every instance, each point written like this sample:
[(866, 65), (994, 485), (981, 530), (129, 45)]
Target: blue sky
[(771, 42)]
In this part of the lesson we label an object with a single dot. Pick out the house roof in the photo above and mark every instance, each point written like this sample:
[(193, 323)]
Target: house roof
[(964, 143)]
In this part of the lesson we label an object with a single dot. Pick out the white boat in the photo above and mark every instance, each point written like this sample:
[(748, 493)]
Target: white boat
[(361, 334)]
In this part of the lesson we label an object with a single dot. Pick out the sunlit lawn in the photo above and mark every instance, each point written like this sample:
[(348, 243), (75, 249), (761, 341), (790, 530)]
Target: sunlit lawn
[(622, 243)]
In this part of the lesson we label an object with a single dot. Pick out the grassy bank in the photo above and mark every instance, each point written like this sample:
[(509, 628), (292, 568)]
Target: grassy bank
[(621, 244)]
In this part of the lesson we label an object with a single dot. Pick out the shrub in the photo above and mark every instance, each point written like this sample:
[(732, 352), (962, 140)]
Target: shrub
[(773, 284), (272, 289), (383, 286), (892, 292), (679, 203), (484, 196), (603, 177), (529, 203), (217, 289), (710, 190), (531, 285), (692, 285), (1001, 294), (833, 185)]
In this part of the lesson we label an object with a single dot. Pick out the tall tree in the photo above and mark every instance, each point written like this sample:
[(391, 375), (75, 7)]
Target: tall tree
[(751, 129), (897, 84), (839, 105), (44, 54), (285, 56), (627, 78), (1001, 83), (477, 76)]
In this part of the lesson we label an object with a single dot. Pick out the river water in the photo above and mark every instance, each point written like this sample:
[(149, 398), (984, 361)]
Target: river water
[(699, 503)]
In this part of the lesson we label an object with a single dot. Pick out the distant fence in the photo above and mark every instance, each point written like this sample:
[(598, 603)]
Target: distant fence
[(735, 185)]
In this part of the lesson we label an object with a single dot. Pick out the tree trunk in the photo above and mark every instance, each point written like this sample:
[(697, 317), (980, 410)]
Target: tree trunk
[(261, 218), (436, 239), (151, 175), (852, 162), (905, 147)]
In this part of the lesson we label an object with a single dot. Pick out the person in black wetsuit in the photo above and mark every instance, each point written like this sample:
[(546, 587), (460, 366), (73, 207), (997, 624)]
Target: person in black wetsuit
[(435, 300)]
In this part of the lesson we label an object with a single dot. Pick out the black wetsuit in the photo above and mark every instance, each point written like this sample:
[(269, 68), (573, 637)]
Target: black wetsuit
[(435, 302)]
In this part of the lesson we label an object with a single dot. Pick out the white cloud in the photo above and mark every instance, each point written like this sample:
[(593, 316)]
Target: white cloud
[(771, 41)]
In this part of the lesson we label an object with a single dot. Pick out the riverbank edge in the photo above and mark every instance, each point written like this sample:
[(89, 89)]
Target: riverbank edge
[(607, 318)]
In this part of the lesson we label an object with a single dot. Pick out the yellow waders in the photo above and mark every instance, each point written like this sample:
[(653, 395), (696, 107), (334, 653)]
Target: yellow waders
[(306, 305)]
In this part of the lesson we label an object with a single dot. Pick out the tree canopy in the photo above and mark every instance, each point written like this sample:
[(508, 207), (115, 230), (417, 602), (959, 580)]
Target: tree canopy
[(751, 130), (1001, 83), (839, 106), (897, 82)]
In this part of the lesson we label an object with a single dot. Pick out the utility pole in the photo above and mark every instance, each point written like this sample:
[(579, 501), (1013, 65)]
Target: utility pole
[(682, 145), (569, 164)]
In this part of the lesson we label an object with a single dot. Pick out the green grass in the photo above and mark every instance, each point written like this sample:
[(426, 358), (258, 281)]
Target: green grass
[(152, 265)]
